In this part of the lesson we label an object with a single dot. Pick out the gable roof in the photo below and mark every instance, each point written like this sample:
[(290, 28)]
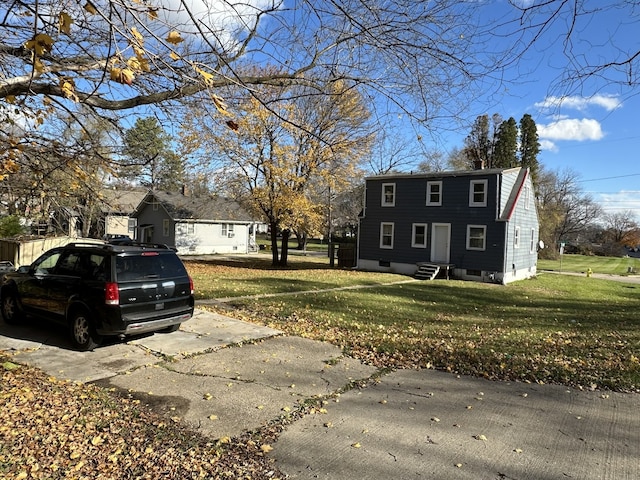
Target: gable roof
[(444, 173), (514, 195), (210, 208), (121, 201)]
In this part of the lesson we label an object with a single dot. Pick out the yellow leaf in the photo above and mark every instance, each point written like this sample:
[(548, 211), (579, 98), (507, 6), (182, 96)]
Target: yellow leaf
[(69, 89), (266, 448), (97, 440), (174, 56), (73, 455), (121, 75), (38, 65), (174, 38), (90, 8), (152, 13), (137, 35), (206, 75), (64, 23), (40, 44), (219, 104), (213, 417), (10, 98), (356, 445), (138, 63)]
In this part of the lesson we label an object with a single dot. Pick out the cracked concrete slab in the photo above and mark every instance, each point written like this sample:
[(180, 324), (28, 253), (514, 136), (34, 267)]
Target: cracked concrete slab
[(47, 347), (86, 366), (244, 387), (205, 331)]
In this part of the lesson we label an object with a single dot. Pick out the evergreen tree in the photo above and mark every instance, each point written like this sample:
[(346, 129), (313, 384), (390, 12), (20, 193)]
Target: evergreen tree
[(151, 161), (480, 143), (529, 145), (506, 148)]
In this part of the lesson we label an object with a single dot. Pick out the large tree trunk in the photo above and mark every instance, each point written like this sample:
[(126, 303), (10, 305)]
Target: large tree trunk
[(284, 254), (302, 240), (273, 226)]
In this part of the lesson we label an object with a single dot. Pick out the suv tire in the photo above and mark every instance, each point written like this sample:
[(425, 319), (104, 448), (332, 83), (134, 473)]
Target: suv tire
[(83, 335), (10, 309)]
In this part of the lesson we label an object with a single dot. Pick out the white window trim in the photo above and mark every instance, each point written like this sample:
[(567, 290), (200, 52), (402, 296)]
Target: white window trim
[(384, 198), (429, 202), (413, 235), (532, 246), (527, 197), (382, 225), (484, 237), (516, 237), (485, 184)]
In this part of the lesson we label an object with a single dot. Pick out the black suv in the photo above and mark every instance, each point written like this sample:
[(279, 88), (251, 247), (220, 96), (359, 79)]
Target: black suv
[(97, 290)]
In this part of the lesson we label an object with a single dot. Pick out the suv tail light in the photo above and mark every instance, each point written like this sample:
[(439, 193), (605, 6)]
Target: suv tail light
[(111, 294), (191, 285)]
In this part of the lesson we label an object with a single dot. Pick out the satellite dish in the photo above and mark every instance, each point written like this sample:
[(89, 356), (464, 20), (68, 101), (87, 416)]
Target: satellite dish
[(541, 244)]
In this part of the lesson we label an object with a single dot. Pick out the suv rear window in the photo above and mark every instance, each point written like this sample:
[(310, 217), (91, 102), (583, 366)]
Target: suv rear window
[(148, 266)]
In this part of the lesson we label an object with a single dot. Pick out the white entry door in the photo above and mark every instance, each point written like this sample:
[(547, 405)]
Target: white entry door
[(440, 242)]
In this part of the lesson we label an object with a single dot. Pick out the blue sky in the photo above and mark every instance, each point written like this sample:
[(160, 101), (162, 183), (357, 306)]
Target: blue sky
[(593, 127)]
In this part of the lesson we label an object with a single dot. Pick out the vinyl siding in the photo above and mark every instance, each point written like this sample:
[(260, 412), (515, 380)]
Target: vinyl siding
[(410, 207)]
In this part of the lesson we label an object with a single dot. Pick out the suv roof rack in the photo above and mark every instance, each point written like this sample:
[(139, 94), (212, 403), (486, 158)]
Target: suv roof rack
[(85, 244), (108, 245)]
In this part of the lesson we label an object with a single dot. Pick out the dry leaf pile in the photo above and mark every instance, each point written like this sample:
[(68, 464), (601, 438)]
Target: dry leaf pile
[(54, 429)]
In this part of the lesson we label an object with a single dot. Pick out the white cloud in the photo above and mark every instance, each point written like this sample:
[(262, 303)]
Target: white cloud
[(217, 19), (571, 129), (548, 146), (608, 102)]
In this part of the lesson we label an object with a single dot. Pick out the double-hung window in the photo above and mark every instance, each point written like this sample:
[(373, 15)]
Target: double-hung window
[(532, 245), (388, 194), (434, 194), (478, 193), (516, 237), (227, 230), (386, 235), (476, 237), (419, 235)]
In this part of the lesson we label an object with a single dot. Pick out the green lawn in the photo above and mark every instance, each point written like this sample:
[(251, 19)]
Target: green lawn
[(573, 330), (580, 263)]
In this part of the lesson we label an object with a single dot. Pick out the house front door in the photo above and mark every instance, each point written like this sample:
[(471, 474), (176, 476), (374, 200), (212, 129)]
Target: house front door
[(440, 242)]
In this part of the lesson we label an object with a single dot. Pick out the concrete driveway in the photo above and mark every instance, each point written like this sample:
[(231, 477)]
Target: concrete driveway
[(224, 377)]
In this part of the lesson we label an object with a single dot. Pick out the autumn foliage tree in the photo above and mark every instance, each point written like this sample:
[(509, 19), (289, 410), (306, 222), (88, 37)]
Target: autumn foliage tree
[(277, 160)]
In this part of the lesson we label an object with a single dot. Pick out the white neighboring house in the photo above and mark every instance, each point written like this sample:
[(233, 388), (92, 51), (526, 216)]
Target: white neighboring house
[(118, 206), (195, 225)]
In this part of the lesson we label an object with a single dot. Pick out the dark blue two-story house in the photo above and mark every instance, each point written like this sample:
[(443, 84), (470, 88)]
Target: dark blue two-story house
[(475, 225)]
